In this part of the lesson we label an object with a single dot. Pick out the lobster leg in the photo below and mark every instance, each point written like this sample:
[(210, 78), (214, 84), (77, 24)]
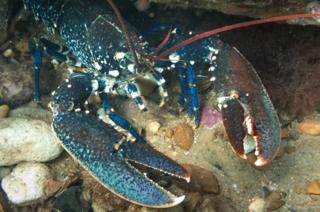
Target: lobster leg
[(118, 120), (134, 93), (160, 81), (184, 86), (37, 62), (92, 143), (194, 108)]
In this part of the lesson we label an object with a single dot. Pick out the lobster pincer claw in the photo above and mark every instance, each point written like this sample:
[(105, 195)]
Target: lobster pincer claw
[(248, 114), (97, 147)]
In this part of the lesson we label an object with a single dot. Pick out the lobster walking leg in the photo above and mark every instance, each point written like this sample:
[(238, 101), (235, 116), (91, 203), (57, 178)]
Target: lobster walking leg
[(118, 120), (37, 62)]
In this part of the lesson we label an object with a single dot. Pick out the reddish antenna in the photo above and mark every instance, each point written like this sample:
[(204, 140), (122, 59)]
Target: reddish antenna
[(124, 28), (232, 27)]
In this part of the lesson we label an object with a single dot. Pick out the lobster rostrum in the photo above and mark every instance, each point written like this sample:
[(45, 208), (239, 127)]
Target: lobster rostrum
[(113, 56)]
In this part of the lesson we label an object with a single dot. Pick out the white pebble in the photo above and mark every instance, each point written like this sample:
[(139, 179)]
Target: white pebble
[(26, 183)]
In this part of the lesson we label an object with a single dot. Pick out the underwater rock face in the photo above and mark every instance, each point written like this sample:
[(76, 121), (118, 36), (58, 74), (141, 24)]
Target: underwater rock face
[(26, 183), (254, 9), (26, 140)]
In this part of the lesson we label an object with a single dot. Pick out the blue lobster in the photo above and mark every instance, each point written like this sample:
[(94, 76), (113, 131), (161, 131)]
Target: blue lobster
[(113, 55)]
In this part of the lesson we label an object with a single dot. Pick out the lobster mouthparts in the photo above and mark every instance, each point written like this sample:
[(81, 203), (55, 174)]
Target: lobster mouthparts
[(248, 114)]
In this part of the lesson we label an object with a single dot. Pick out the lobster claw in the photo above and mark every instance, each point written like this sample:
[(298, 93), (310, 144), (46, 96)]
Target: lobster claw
[(92, 143), (248, 114)]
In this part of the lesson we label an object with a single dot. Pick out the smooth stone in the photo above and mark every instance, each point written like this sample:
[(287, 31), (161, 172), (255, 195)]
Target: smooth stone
[(27, 140), (275, 201), (4, 111), (153, 127), (184, 136), (257, 205), (313, 187), (311, 127), (25, 185)]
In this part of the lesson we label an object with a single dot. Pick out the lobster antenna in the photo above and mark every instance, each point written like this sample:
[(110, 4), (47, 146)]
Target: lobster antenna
[(232, 27), (124, 28)]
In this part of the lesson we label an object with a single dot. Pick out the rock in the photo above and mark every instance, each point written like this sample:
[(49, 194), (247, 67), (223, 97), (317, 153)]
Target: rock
[(257, 205), (254, 9), (169, 133), (4, 171), (290, 149), (26, 140), (25, 184), (4, 111), (313, 187), (32, 111), (284, 133), (202, 180), (275, 201), (142, 5), (210, 117), (184, 136), (16, 82), (69, 200), (309, 127), (153, 127)]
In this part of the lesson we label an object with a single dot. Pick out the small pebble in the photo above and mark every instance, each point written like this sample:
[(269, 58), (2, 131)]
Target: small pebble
[(142, 5), (169, 133), (184, 136), (313, 187), (202, 180), (257, 205), (153, 127), (275, 201), (8, 53), (309, 127), (290, 149), (4, 111), (284, 133), (25, 184)]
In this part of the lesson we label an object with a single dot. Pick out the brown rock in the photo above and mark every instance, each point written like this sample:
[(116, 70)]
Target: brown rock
[(290, 149), (309, 127), (202, 180), (184, 136), (275, 201), (284, 133), (313, 187), (4, 111)]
